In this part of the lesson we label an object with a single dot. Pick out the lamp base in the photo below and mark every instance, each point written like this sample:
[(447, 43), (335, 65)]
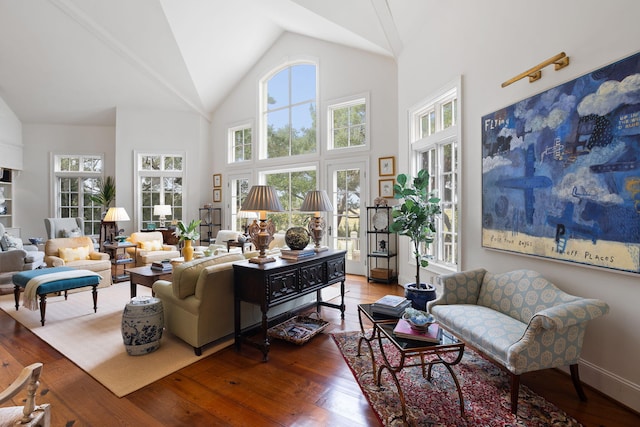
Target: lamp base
[(258, 260), (321, 248)]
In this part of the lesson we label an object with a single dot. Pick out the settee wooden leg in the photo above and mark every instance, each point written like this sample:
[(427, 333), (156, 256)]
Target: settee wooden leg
[(515, 389), (575, 377), (197, 351)]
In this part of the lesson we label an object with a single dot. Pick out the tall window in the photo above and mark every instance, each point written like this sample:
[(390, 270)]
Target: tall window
[(289, 112), (291, 186), (348, 124), (76, 179), (435, 136), (240, 144), (239, 191), (160, 178)]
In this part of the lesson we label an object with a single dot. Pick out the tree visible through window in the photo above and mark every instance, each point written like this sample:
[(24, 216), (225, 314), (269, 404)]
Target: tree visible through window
[(291, 187), (348, 124), (241, 147), (289, 112)]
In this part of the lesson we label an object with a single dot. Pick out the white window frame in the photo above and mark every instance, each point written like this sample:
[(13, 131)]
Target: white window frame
[(312, 166), (438, 140), (232, 143), (344, 103), (81, 175), (263, 110), (139, 173)]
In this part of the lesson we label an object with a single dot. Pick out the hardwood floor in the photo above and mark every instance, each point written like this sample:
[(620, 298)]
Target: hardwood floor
[(307, 385)]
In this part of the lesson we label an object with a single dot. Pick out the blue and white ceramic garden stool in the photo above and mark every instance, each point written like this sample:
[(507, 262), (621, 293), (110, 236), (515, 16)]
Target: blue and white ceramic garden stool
[(142, 325)]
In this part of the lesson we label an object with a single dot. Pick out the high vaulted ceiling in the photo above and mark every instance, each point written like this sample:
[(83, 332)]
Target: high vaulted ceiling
[(75, 61)]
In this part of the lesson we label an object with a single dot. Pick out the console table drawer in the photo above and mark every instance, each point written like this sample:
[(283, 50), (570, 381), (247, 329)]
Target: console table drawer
[(283, 284), (312, 276), (335, 269)]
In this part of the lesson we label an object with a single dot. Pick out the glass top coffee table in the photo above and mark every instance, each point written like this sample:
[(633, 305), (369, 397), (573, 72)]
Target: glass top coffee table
[(447, 352)]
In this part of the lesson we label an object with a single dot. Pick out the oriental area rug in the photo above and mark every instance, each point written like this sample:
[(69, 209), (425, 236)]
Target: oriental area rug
[(93, 341), (485, 389)]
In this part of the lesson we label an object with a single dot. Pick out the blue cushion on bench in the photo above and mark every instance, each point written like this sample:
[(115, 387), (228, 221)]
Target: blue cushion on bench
[(21, 279)]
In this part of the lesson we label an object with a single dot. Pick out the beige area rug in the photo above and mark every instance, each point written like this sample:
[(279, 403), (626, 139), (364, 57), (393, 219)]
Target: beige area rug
[(93, 341)]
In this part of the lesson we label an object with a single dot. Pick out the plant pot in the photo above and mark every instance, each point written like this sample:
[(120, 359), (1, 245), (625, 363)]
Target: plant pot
[(419, 296)]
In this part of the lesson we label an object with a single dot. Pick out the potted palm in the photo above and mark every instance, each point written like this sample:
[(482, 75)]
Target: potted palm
[(415, 218), (106, 193)]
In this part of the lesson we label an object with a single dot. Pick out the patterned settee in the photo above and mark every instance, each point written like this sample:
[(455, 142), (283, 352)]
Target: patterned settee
[(519, 319)]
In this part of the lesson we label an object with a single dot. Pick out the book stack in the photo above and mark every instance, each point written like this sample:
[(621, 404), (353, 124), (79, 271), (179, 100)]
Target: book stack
[(164, 265), (404, 330), (296, 254), (391, 305)]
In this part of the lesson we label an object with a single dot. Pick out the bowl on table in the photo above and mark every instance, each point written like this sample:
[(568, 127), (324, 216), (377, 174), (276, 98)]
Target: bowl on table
[(36, 240), (418, 320)]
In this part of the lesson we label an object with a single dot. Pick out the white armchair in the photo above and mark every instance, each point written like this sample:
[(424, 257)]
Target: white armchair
[(30, 414)]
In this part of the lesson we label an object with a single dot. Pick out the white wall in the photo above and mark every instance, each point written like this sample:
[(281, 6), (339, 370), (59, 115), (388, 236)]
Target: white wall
[(10, 138), (342, 72), (487, 43), (34, 185), (162, 132)]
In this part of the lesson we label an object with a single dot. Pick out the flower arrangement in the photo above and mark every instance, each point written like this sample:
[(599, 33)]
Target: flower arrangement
[(189, 232)]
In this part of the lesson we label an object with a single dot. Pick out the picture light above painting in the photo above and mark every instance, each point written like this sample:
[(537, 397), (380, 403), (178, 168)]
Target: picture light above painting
[(561, 171)]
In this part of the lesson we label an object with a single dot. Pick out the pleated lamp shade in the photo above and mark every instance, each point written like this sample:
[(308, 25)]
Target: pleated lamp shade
[(316, 201), (262, 198)]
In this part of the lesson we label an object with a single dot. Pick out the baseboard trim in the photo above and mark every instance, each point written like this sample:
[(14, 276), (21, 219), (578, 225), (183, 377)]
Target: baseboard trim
[(611, 385)]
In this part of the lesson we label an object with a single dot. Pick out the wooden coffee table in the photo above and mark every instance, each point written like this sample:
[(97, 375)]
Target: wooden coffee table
[(145, 276)]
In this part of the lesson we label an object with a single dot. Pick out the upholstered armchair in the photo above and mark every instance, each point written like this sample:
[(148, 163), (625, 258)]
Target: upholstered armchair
[(66, 227), (30, 414), (16, 257), (219, 244), (78, 252), (150, 248)]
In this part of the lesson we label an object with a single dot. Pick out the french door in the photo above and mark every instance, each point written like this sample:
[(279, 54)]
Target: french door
[(346, 227)]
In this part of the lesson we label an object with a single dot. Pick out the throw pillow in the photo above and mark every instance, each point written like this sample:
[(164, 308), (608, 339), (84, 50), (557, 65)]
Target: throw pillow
[(74, 254), (74, 232), (4, 242), (151, 245), (8, 242)]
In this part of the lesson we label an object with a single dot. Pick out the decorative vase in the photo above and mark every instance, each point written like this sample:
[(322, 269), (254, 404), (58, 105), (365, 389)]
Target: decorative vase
[(187, 251), (297, 238), (420, 296)]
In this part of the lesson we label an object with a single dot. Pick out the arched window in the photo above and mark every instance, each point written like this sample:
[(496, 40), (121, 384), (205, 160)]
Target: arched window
[(288, 112)]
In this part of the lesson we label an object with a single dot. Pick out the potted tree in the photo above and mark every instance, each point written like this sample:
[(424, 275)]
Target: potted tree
[(415, 218)]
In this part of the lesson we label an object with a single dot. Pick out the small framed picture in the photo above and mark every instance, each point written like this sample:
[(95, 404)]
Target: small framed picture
[(385, 188), (217, 195), (217, 180), (387, 166)]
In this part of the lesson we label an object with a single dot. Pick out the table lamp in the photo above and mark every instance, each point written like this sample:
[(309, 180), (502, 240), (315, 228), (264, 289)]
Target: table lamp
[(317, 201), (162, 211), (115, 215), (262, 199), (247, 215)]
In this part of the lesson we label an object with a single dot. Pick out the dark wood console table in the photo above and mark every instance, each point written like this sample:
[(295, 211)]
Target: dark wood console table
[(271, 284)]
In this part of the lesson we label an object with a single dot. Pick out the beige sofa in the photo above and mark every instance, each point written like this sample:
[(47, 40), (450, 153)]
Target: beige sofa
[(78, 252), (198, 302), (151, 248)]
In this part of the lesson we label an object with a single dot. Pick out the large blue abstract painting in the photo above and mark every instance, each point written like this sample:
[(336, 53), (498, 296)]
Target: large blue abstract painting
[(561, 171)]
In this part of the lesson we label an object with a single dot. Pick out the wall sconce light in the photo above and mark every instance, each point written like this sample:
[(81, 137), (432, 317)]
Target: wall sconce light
[(561, 60)]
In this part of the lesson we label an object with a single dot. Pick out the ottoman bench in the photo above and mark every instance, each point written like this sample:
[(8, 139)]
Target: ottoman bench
[(48, 280)]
